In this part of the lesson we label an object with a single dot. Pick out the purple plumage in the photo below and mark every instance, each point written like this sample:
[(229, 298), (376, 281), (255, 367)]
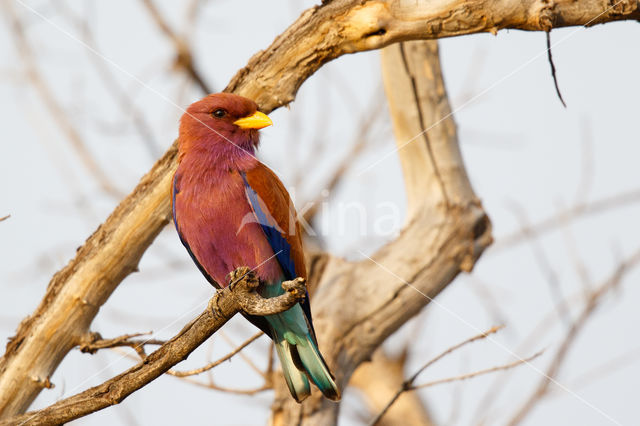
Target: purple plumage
[(231, 211)]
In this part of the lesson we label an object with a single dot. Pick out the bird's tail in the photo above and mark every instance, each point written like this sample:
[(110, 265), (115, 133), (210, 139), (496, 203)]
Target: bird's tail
[(299, 355)]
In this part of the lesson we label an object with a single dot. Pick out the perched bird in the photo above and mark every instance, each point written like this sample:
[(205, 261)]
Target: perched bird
[(230, 210)]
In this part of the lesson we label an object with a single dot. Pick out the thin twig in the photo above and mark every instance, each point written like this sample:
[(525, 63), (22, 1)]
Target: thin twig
[(361, 141), (5, 218), (478, 373), (217, 362), (93, 342), (211, 385), (123, 97), (242, 355), (553, 68), (408, 384), (606, 368)]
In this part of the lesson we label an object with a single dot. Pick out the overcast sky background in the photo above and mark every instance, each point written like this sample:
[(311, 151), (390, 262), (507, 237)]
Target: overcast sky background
[(521, 148)]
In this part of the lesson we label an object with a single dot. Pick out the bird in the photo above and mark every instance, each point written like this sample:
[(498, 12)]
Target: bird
[(230, 211)]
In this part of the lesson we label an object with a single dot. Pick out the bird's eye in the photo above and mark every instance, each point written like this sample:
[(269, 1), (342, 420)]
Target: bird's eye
[(219, 113)]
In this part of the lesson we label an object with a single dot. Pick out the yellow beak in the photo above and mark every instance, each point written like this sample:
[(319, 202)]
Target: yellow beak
[(255, 121)]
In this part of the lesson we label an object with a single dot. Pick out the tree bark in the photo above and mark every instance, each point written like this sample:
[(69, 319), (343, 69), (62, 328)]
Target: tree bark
[(440, 238)]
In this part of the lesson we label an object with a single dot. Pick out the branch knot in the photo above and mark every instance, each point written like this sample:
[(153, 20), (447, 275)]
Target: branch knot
[(244, 284)]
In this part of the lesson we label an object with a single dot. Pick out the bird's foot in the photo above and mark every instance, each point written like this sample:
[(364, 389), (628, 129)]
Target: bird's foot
[(245, 275)]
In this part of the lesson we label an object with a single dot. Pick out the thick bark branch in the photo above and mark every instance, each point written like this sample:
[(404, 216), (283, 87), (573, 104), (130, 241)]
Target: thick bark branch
[(338, 27), (445, 233), (429, 253), (224, 305)]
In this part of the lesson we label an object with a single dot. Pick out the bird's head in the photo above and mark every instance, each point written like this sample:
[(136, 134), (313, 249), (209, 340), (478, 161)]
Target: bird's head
[(222, 123)]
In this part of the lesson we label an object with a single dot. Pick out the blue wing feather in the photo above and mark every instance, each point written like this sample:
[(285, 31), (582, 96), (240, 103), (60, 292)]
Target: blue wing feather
[(278, 243), (272, 231)]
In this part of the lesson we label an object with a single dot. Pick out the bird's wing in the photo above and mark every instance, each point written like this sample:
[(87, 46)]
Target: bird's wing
[(174, 192), (274, 211)]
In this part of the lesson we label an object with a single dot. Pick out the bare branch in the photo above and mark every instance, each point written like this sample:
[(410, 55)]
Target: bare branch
[(357, 147), (224, 305), (408, 384), (544, 264), (213, 386), (93, 342), (5, 218), (217, 362), (325, 32), (553, 69), (479, 372), (244, 356)]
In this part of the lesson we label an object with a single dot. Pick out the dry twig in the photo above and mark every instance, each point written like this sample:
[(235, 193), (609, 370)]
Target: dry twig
[(217, 362), (408, 384), (93, 342), (553, 68), (478, 373)]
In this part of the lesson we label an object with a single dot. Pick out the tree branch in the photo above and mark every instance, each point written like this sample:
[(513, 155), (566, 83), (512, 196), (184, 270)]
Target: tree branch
[(227, 302), (408, 384), (93, 342), (457, 379), (218, 361)]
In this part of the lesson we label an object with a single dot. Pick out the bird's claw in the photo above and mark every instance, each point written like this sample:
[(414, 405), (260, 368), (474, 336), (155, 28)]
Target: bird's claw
[(243, 274)]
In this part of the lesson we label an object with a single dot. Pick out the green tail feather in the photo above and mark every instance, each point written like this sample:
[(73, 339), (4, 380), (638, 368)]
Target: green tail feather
[(299, 355), (296, 381)]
